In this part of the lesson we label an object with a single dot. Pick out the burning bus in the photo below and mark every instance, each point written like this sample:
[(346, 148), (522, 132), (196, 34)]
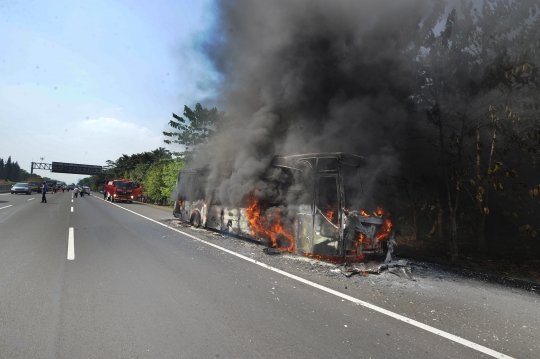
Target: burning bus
[(318, 207)]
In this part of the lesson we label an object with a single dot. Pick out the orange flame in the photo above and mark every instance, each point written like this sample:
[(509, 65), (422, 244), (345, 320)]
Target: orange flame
[(384, 232), (364, 214), (331, 214), (268, 227), (379, 212), (362, 239)]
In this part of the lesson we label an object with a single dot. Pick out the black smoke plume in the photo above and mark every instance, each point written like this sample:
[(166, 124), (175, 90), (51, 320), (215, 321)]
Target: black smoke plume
[(310, 76)]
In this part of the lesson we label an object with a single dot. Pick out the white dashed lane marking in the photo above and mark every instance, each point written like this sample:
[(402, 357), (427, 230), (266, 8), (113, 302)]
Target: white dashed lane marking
[(71, 245), (6, 206)]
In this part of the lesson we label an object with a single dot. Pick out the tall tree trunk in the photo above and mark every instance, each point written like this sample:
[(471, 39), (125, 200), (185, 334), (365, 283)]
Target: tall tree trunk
[(482, 234), (482, 220), (416, 230), (454, 252), (440, 214), (451, 211), (483, 214), (452, 207), (438, 223), (453, 244)]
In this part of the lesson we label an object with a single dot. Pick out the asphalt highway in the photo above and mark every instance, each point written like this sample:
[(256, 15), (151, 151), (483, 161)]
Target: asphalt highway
[(84, 278)]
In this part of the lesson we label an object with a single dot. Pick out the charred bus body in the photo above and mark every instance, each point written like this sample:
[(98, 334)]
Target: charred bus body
[(317, 212)]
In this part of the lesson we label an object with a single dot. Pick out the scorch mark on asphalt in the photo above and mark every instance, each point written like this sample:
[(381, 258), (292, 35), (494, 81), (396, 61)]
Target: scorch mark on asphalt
[(428, 328)]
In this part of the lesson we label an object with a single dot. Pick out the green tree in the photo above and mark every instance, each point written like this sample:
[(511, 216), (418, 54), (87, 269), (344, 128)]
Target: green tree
[(161, 177), (169, 176), (8, 169), (154, 181), (86, 181), (97, 182), (2, 172), (127, 163), (138, 174), (23, 175), (195, 129), (16, 172), (468, 75)]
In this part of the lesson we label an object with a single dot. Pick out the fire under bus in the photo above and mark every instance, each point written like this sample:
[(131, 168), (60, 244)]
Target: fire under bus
[(315, 216), (122, 190)]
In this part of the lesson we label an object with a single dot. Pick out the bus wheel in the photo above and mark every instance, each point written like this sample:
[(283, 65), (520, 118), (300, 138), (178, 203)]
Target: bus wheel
[(195, 219)]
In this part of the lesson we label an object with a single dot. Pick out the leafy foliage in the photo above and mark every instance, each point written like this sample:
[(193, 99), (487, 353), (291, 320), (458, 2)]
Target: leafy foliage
[(477, 83), (195, 129), (155, 170), (11, 171)]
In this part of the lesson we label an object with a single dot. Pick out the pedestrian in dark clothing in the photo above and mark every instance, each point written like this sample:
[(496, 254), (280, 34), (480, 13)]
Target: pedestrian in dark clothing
[(104, 194), (43, 192)]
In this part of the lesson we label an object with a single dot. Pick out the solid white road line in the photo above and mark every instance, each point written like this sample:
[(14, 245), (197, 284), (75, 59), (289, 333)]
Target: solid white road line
[(71, 209), (375, 308), (71, 245), (6, 206)]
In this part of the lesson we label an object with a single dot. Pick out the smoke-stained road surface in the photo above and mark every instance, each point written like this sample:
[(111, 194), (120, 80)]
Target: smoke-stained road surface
[(136, 288)]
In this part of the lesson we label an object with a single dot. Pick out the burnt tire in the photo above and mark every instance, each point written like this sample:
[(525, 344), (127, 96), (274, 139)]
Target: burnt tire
[(195, 219)]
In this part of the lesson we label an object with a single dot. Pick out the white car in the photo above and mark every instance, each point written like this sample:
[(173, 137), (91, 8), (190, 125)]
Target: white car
[(21, 188)]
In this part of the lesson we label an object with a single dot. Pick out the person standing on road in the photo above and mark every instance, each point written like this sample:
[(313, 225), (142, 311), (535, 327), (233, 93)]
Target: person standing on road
[(43, 192), (104, 194), (81, 191), (76, 191)]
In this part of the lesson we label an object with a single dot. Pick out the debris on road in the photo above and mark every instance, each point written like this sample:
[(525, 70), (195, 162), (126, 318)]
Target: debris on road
[(401, 268)]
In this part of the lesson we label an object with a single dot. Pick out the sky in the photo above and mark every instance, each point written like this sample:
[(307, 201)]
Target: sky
[(87, 81)]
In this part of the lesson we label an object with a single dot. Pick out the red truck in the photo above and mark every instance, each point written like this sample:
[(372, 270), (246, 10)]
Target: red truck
[(122, 190)]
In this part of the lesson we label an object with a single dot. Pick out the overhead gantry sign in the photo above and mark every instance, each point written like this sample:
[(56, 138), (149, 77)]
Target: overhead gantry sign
[(61, 167)]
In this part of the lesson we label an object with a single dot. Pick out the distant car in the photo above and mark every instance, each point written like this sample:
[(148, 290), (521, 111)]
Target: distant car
[(86, 190), (21, 188)]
